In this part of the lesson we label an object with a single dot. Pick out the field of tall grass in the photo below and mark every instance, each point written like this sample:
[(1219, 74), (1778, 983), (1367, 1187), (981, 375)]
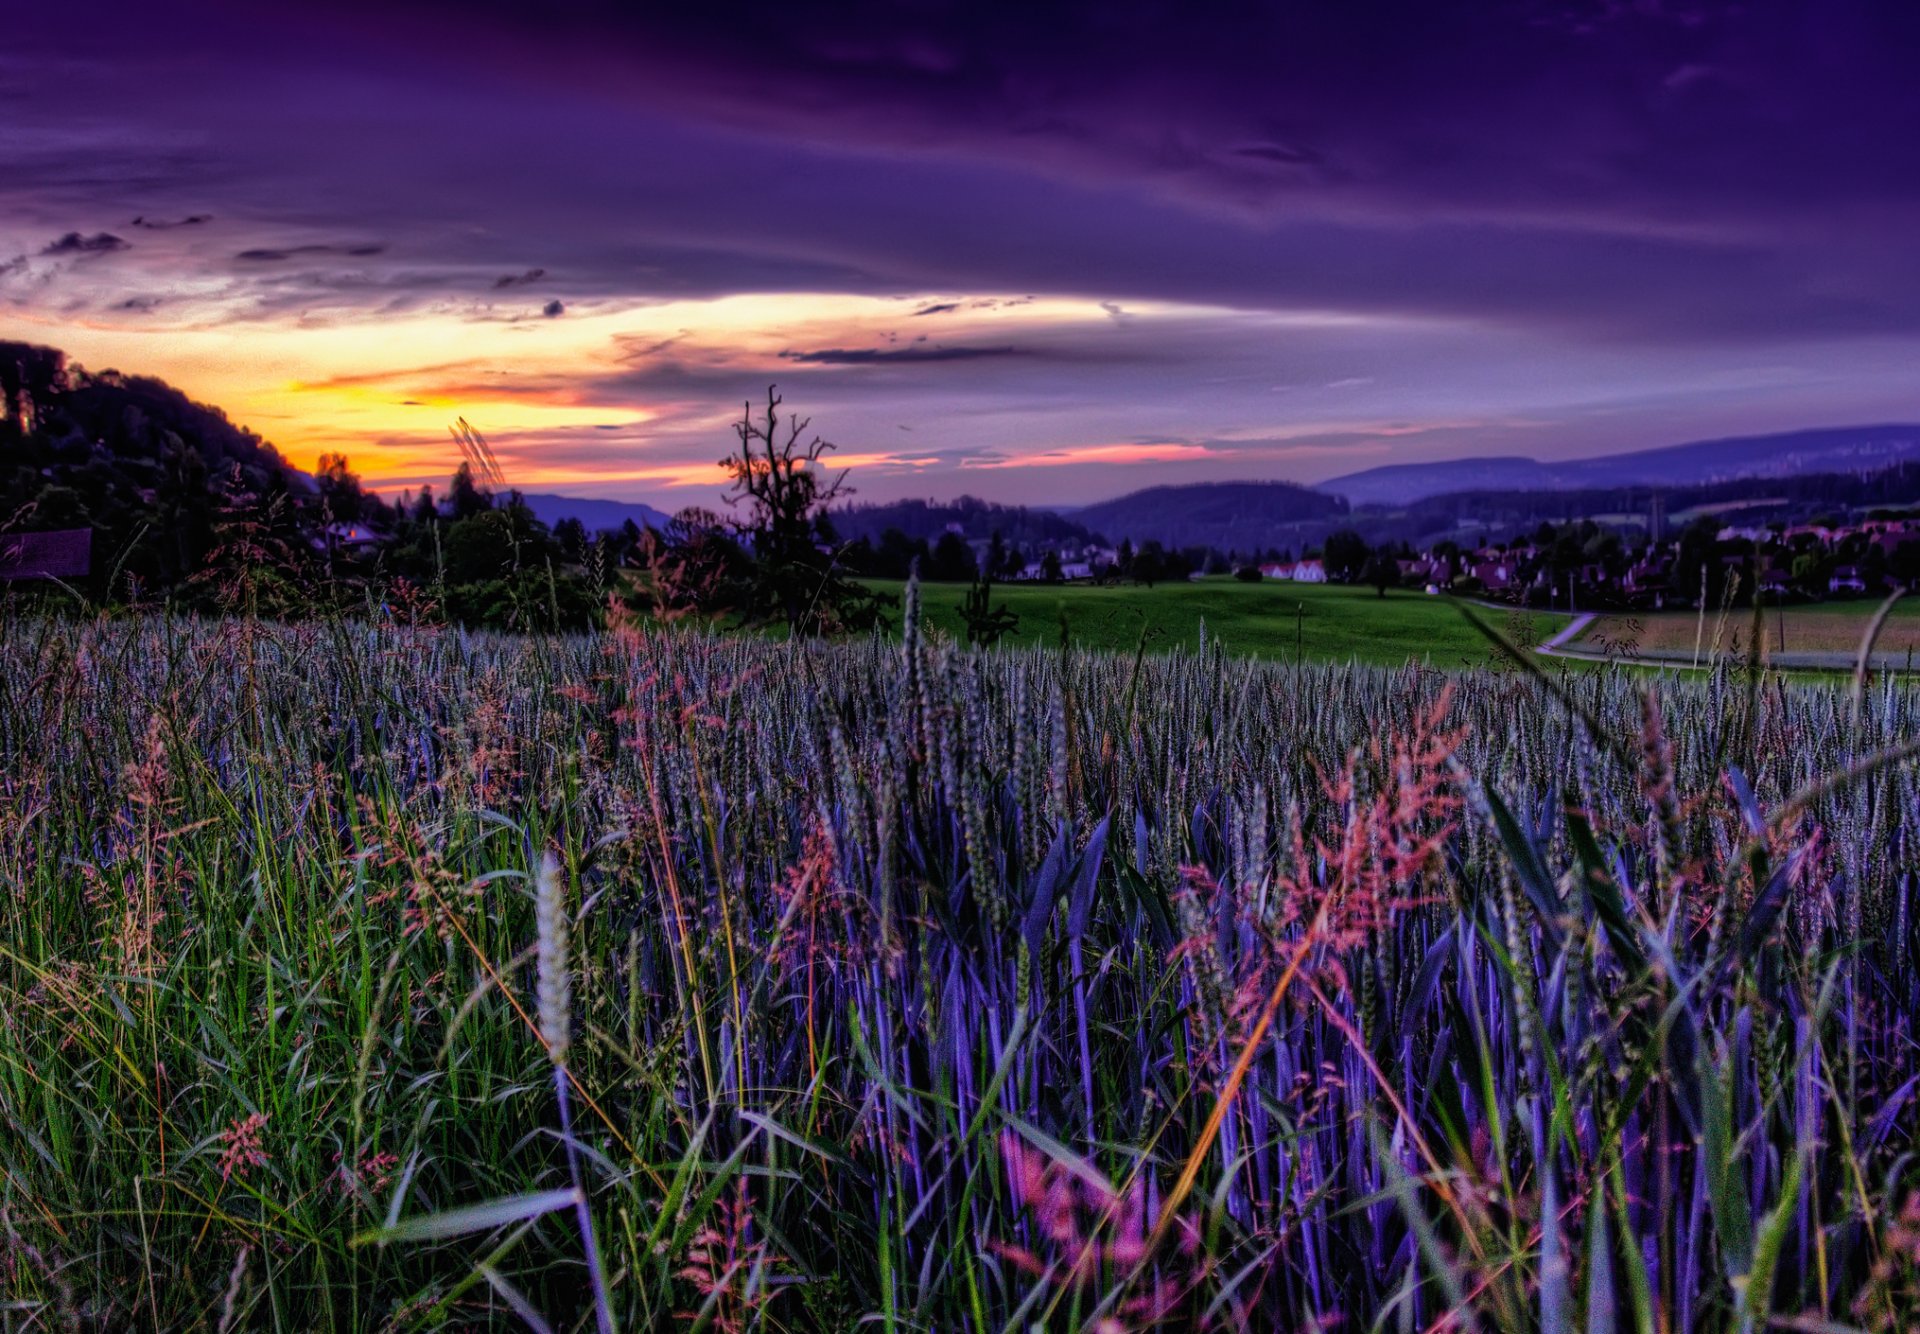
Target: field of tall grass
[(404, 979)]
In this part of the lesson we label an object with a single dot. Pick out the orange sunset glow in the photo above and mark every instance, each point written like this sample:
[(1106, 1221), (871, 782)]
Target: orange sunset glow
[(384, 393)]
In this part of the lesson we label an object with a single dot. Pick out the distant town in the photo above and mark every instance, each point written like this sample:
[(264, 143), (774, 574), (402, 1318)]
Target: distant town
[(1577, 566), (1806, 562)]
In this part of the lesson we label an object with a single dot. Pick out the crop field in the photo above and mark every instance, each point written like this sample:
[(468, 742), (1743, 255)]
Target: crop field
[(1826, 630), (386, 979), (1274, 620)]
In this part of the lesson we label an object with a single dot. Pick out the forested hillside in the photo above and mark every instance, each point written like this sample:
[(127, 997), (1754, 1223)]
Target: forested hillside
[(164, 483), (1228, 516), (186, 508)]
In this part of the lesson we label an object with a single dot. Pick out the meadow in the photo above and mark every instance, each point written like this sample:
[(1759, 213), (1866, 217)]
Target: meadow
[(358, 978), (1274, 620)]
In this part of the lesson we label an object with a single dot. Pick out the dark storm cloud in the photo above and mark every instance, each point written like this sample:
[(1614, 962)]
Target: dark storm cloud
[(978, 303), (1604, 105), (872, 356), (271, 255), (1528, 220), (73, 243), (1713, 172)]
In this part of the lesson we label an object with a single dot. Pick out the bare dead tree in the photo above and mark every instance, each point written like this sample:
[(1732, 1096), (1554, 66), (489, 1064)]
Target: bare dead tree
[(778, 479), (780, 492)]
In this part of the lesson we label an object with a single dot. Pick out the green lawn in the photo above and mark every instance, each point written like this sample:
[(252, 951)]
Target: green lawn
[(1269, 619)]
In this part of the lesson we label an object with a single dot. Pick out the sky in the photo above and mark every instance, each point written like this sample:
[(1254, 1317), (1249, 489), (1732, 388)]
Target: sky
[(1040, 253)]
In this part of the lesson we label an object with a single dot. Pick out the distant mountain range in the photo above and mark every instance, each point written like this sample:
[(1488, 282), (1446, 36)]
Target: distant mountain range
[(1256, 515), (596, 515), (1790, 454)]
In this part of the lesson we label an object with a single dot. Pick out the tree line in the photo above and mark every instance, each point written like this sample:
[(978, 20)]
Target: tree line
[(190, 511), (193, 512)]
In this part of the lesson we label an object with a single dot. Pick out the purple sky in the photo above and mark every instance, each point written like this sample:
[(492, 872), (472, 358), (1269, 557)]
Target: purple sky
[(1041, 253)]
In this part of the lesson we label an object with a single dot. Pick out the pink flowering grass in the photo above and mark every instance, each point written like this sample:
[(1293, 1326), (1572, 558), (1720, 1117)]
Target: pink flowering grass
[(241, 1147)]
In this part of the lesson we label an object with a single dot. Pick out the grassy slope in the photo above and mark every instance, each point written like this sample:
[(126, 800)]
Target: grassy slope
[(1338, 624)]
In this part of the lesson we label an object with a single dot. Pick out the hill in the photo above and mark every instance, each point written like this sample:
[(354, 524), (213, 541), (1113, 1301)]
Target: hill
[(1476, 514), (596, 515), (1230, 516), (976, 519), (161, 481), (177, 505), (1841, 449)]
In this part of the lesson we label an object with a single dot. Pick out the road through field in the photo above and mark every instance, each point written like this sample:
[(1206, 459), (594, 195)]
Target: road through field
[(1554, 647)]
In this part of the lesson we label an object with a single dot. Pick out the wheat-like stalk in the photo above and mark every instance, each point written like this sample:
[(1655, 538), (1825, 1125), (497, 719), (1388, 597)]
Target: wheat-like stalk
[(554, 989)]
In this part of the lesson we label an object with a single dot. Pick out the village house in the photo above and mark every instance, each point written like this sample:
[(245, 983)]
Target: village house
[(1496, 576)]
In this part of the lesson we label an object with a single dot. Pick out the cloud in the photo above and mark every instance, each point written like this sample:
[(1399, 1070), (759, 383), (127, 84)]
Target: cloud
[(870, 356), (553, 309), (1285, 154), (640, 349), (1149, 452), (1535, 181), (1582, 212), (73, 243), (273, 255), (1526, 106)]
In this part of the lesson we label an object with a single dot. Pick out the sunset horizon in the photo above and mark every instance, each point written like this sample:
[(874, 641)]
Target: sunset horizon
[(1046, 260)]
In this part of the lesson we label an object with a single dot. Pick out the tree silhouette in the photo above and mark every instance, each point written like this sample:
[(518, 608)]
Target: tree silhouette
[(1345, 556), (780, 494), (1149, 564), (952, 561), (1383, 571), (467, 496)]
